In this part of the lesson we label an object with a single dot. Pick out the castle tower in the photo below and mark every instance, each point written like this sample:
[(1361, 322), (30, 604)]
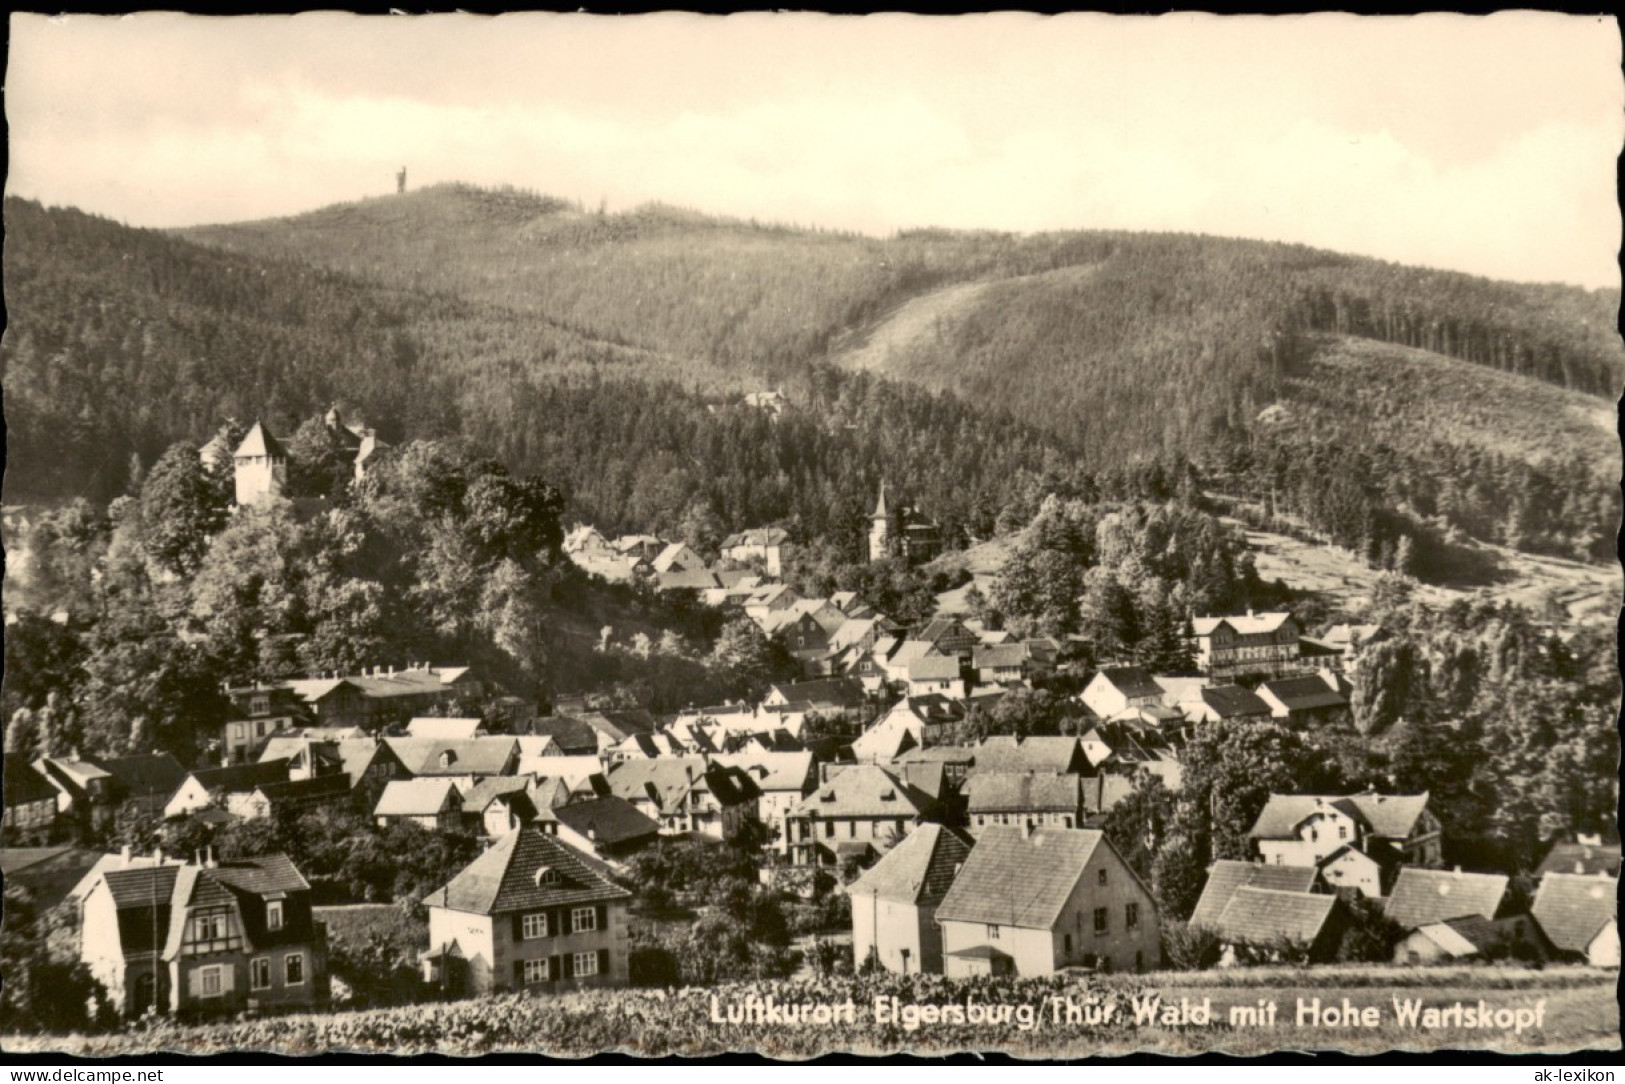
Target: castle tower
[(880, 541), (261, 467)]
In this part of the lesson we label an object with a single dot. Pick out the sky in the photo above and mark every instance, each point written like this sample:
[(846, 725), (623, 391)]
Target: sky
[(1479, 144)]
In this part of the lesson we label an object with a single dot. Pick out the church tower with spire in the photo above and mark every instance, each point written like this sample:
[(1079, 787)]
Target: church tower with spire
[(880, 529)]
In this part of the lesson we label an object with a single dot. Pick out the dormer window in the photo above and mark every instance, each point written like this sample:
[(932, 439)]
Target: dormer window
[(448, 758), (548, 877), (259, 705), (273, 915)]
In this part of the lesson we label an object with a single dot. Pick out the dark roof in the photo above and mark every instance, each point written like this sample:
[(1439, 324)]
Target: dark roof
[(1233, 701), (258, 441), (844, 691), (469, 756), (1102, 792), (920, 869), (606, 820), (1582, 858), (1305, 693), (1013, 879), (141, 887), (1131, 681), (999, 655), (731, 785), (1035, 754), (260, 876), (1258, 916), (1226, 876), (864, 790), (569, 731), (1421, 896), (305, 790), (143, 775), (240, 778), (666, 781), (505, 878), (1572, 909), (25, 786), (688, 580), (619, 724)]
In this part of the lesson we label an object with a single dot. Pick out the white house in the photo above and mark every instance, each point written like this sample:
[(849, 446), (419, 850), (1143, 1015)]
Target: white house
[(894, 903)]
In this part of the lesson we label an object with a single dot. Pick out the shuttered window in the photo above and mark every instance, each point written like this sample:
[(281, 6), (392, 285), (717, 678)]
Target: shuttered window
[(534, 971), (583, 919), (259, 973), (585, 963), (533, 926)]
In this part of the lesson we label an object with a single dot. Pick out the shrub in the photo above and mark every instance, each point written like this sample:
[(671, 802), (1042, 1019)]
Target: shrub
[(1188, 947)]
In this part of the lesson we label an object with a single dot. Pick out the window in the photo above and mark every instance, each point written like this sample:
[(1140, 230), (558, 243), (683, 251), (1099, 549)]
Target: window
[(586, 963), (259, 705), (259, 729), (1131, 915), (1101, 921), (293, 969), (992, 933), (829, 829), (583, 918), (534, 926), (259, 973), (1068, 944), (209, 927), (1101, 877), (851, 829), (1314, 835), (1342, 831), (210, 981), (981, 820), (273, 915), (535, 970)]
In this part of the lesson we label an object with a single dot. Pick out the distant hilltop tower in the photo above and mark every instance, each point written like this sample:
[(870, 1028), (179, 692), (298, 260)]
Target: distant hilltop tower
[(400, 182), (880, 529)]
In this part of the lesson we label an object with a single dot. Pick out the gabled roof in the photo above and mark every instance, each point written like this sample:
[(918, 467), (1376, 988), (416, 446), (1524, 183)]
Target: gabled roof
[(261, 875), (1421, 896), (1392, 816), (506, 878), (1467, 936), (757, 536), (488, 790), (1572, 909), (773, 771), (469, 756), (1102, 792), (731, 786), (143, 775), (934, 668), (864, 790), (1246, 624), (1022, 791), (999, 656), (314, 789), (606, 820), (1581, 858), (449, 729), (1131, 681), (1233, 701), (1226, 876), (417, 798), (1034, 754), (1014, 879), (1259, 916), (259, 442), (841, 692), (618, 724), (1304, 693), (666, 781), (697, 579), (668, 557), (25, 786), (919, 870)]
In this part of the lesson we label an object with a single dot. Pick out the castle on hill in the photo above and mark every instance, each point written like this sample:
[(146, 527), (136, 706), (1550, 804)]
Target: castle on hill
[(905, 533), (260, 461)]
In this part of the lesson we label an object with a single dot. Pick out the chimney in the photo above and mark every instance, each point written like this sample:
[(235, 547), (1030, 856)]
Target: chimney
[(158, 856), (209, 861), (124, 857)]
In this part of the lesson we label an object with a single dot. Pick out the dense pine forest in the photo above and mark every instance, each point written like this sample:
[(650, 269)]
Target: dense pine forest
[(1395, 411)]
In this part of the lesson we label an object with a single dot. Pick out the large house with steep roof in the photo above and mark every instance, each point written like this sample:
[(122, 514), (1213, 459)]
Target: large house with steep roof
[(215, 937), (1260, 922), (1116, 689), (894, 902), (686, 794), (30, 805), (606, 828), (853, 815), (783, 780), (434, 804), (1226, 876), (531, 913), (1030, 799), (92, 790), (1034, 902), (1312, 699), (1239, 644)]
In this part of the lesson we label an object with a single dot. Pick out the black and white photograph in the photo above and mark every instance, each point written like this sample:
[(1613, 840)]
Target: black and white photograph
[(787, 535)]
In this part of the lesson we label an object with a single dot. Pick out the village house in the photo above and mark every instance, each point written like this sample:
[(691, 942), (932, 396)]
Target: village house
[(936, 674), (1259, 922), (215, 787), (1238, 645), (1023, 799), (911, 723), (1421, 896), (1578, 915), (831, 697), (853, 815), (453, 728), (91, 791), (949, 636), (1451, 914), (957, 761), (685, 794), (1116, 689), (1225, 703), (381, 696), (209, 937), (257, 712), (367, 763), (1100, 794), (1227, 875), (695, 581), (783, 779), (499, 805), (435, 804), (677, 557), (531, 913), (1302, 829), (894, 902), (290, 797), (30, 805), (1034, 902), (582, 775), (763, 545), (1463, 938), (1585, 859), (571, 735), (466, 759), (1346, 641), (1043, 754), (1320, 699), (607, 828), (49, 874), (1002, 664)]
